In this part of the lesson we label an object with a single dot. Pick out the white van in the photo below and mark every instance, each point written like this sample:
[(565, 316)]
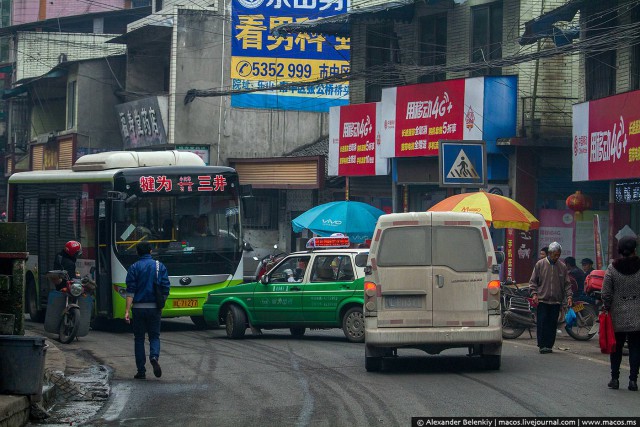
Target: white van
[(432, 283)]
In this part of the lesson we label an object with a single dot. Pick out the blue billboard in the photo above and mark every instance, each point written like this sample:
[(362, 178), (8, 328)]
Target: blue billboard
[(261, 61)]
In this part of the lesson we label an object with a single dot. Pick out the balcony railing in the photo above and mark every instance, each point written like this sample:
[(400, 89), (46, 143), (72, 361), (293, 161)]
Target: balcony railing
[(552, 117)]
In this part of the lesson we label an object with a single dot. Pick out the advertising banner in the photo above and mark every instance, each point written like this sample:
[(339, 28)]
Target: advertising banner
[(510, 255), (556, 226), (354, 137), (606, 138), (260, 60), (585, 247), (416, 117)]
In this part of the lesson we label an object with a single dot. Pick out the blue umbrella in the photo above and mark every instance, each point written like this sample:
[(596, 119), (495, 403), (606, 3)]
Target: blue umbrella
[(354, 219)]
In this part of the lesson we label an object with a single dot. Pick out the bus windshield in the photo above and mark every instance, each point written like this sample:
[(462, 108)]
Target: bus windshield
[(191, 234)]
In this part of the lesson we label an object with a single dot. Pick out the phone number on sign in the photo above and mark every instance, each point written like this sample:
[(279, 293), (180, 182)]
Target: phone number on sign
[(264, 69)]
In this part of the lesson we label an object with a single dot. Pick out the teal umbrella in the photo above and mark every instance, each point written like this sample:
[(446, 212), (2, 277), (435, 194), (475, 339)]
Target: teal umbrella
[(354, 219)]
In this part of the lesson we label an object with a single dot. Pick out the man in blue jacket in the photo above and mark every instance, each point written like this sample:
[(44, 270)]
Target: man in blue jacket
[(140, 294)]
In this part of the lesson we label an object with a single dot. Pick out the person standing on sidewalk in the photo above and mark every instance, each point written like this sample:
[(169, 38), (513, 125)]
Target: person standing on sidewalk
[(621, 297), (549, 285), (140, 281)]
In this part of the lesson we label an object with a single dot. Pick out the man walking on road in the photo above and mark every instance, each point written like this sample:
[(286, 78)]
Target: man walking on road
[(140, 293), (549, 284)]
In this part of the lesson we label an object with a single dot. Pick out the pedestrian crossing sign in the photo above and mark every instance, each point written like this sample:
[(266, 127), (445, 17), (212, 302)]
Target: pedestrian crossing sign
[(463, 164)]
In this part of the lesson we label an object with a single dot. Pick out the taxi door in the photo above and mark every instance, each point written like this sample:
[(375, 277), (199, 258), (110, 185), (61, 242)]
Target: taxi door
[(330, 282), (279, 301)]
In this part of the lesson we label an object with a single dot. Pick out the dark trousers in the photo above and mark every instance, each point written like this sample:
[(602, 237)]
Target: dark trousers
[(146, 321), (634, 354), (547, 324)]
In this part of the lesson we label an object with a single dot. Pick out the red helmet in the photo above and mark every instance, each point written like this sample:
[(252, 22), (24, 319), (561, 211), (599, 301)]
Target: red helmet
[(73, 248)]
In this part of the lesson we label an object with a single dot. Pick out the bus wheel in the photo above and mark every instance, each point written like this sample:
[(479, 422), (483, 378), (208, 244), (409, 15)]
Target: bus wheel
[(32, 302), (236, 324), (200, 322)]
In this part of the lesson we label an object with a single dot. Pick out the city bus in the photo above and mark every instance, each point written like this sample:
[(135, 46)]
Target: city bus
[(109, 202)]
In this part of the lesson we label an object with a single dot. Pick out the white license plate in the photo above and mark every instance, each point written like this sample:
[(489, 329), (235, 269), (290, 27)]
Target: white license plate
[(398, 302)]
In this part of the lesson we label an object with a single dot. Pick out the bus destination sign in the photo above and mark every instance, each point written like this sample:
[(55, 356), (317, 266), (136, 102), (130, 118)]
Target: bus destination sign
[(187, 183)]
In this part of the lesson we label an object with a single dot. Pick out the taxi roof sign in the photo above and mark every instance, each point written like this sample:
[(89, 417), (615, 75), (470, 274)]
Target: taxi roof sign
[(328, 242)]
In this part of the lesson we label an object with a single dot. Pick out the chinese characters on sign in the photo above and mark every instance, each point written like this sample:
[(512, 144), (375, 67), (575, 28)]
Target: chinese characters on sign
[(606, 138), (510, 257), (141, 123), (628, 191), (354, 138), (260, 60), (154, 184), (416, 117)]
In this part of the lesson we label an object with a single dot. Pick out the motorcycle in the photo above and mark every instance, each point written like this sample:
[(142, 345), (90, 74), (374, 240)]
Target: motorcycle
[(268, 262), (519, 313), (69, 310)]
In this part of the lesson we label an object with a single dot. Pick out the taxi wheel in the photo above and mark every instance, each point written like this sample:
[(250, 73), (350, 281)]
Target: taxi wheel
[(236, 322), (353, 324), (297, 331)]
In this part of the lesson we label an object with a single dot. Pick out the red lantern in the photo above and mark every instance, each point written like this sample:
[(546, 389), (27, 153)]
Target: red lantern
[(578, 202)]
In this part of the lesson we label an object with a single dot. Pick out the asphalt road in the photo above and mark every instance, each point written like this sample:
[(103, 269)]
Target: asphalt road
[(320, 380)]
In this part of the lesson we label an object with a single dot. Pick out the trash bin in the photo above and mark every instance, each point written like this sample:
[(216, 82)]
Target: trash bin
[(22, 365)]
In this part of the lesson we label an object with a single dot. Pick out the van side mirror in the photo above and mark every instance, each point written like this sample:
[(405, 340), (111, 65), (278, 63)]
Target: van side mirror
[(264, 279), (119, 210), (246, 246), (499, 257), (361, 259)]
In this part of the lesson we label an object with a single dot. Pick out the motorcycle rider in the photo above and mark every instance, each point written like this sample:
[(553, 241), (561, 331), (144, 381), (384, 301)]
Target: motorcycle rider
[(66, 260)]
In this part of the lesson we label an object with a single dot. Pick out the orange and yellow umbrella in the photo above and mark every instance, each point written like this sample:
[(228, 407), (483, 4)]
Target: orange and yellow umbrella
[(500, 211)]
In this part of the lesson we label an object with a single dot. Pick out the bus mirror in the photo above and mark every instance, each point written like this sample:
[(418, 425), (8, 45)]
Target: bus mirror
[(119, 210), (361, 259), (246, 246), (249, 207)]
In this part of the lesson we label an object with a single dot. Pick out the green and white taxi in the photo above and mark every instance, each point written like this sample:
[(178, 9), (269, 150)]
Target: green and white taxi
[(317, 289)]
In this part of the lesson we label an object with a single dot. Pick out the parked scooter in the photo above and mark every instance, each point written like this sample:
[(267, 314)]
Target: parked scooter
[(519, 313), (69, 318), (269, 261)]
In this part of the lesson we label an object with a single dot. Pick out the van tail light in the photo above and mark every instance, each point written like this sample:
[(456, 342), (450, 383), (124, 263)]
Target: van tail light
[(371, 294), (493, 295)]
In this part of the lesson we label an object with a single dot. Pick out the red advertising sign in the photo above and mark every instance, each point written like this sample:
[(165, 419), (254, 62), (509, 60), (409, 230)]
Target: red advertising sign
[(353, 141), (606, 138)]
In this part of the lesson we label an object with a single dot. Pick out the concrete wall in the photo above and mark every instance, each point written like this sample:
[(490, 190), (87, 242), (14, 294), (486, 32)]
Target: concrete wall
[(201, 61), (97, 124), (25, 11), (37, 53)]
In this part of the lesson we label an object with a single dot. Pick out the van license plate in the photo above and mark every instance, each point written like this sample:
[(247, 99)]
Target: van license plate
[(404, 301), (185, 303)]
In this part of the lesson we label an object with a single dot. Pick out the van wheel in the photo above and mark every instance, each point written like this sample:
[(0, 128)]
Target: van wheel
[(297, 331), (353, 324), (491, 362), (236, 324), (373, 364), (32, 302)]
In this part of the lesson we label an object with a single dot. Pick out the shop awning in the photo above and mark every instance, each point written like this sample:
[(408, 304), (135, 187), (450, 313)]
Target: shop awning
[(24, 87), (340, 25), (544, 25)]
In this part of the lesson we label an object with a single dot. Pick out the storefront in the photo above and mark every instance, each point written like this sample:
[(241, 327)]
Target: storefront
[(606, 147)]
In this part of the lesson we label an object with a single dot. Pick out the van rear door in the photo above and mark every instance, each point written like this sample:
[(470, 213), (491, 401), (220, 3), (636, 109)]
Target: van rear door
[(460, 274), (403, 270)]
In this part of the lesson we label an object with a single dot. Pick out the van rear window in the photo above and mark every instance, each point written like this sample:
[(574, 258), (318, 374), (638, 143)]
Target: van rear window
[(405, 246), (459, 248)]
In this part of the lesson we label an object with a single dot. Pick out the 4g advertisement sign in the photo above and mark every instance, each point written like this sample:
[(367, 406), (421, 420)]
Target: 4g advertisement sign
[(260, 60), (354, 141), (416, 117), (606, 138)]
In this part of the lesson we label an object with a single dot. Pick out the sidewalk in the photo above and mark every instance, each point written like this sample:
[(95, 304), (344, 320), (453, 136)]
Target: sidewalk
[(59, 391)]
